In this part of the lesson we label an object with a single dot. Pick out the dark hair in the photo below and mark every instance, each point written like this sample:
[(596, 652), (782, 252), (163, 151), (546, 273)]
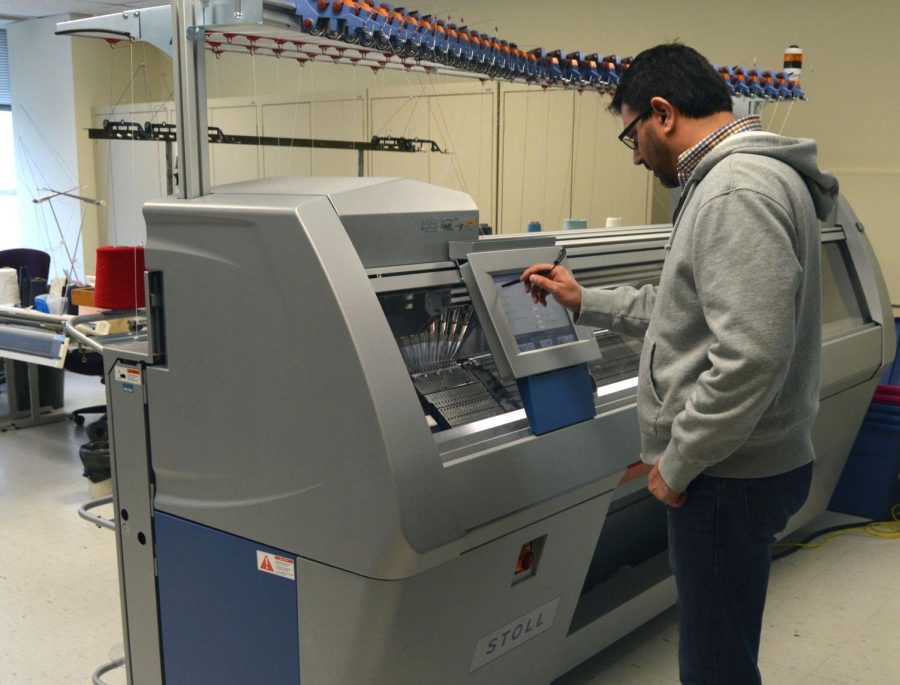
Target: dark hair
[(677, 73)]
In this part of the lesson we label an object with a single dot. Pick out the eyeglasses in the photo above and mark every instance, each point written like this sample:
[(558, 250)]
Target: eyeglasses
[(630, 141)]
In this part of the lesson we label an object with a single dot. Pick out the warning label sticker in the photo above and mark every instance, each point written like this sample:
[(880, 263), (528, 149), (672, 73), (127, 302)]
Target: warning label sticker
[(275, 564), (128, 374)]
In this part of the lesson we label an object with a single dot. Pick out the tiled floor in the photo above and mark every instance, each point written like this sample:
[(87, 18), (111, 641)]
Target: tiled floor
[(832, 618), (833, 615), (59, 597)]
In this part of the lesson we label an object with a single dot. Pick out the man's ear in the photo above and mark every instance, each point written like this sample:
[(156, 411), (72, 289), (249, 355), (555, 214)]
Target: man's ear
[(664, 113)]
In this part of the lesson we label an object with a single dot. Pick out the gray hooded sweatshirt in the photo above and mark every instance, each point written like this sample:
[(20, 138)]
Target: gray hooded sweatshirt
[(729, 373)]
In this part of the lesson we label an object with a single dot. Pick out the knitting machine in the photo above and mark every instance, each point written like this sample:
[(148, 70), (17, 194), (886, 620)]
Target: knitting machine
[(437, 481)]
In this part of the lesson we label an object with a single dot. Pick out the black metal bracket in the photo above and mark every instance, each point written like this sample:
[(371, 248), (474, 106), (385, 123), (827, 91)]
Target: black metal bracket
[(128, 130)]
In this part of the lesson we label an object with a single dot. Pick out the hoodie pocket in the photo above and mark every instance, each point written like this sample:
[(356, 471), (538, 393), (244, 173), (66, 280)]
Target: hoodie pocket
[(649, 404)]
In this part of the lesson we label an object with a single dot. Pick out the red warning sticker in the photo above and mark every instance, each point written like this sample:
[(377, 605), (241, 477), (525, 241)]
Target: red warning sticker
[(275, 564)]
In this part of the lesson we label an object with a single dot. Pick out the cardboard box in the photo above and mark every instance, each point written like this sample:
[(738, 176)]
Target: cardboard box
[(83, 297)]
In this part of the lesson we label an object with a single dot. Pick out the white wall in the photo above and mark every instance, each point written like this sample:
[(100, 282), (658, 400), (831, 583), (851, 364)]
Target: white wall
[(123, 78), (851, 51), (9, 205), (43, 84), (522, 152), (56, 84)]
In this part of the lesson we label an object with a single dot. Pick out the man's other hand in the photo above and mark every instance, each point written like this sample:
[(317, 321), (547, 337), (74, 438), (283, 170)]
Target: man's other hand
[(559, 283), (661, 490)]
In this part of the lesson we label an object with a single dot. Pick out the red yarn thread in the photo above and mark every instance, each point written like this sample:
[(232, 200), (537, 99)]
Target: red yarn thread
[(120, 277)]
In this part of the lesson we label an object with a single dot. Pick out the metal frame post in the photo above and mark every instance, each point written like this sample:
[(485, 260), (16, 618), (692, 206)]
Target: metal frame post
[(189, 68)]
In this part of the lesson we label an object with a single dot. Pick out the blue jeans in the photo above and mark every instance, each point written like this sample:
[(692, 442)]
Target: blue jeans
[(720, 545)]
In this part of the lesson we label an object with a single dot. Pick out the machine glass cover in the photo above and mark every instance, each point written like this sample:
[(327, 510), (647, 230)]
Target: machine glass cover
[(534, 326)]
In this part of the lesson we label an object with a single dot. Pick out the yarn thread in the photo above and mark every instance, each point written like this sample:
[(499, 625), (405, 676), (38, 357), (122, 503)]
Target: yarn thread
[(120, 277)]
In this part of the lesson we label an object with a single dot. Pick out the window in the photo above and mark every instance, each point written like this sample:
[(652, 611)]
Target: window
[(5, 100), (9, 205)]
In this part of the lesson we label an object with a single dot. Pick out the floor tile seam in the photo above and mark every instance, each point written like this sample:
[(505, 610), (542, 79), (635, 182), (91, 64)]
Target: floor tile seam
[(833, 602), (825, 664), (765, 662), (828, 653)]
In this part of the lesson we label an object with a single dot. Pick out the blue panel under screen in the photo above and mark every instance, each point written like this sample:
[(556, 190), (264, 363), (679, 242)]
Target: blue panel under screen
[(222, 620), (558, 398)]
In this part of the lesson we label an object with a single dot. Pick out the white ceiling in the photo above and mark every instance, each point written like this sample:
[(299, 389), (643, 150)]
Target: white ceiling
[(15, 10)]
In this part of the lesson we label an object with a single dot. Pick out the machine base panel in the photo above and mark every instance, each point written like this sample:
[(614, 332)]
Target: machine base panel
[(228, 607)]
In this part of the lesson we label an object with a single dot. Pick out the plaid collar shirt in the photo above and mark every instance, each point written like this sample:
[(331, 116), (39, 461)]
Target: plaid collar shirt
[(689, 159)]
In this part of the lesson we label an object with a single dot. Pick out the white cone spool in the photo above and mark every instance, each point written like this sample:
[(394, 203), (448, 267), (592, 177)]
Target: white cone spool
[(9, 286)]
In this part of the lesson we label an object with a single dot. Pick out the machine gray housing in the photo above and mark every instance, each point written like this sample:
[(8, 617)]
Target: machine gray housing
[(298, 315), (283, 411), (511, 362), (279, 409)]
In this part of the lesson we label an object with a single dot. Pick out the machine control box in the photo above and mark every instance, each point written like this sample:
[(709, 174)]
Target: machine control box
[(526, 338)]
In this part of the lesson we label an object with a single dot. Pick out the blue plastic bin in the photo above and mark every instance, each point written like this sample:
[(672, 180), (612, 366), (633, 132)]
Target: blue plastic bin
[(892, 373), (870, 483)]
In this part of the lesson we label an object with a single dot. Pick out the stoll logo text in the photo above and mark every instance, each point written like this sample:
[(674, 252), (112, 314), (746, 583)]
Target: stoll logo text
[(498, 642)]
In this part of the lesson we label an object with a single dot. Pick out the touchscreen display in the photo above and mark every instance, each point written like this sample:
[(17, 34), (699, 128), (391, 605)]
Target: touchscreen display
[(534, 325)]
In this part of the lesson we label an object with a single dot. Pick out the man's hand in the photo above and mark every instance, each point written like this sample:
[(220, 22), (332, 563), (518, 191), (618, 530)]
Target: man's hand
[(661, 490), (560, 283)]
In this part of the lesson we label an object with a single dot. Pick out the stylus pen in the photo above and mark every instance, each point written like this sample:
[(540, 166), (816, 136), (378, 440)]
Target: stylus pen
[(545, 272)]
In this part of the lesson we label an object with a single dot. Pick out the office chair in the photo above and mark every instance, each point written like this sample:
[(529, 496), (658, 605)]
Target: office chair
[(36, 264), (89, 364)]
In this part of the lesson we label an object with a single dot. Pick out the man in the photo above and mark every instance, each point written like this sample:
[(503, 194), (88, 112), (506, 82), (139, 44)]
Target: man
[(728, 384)]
